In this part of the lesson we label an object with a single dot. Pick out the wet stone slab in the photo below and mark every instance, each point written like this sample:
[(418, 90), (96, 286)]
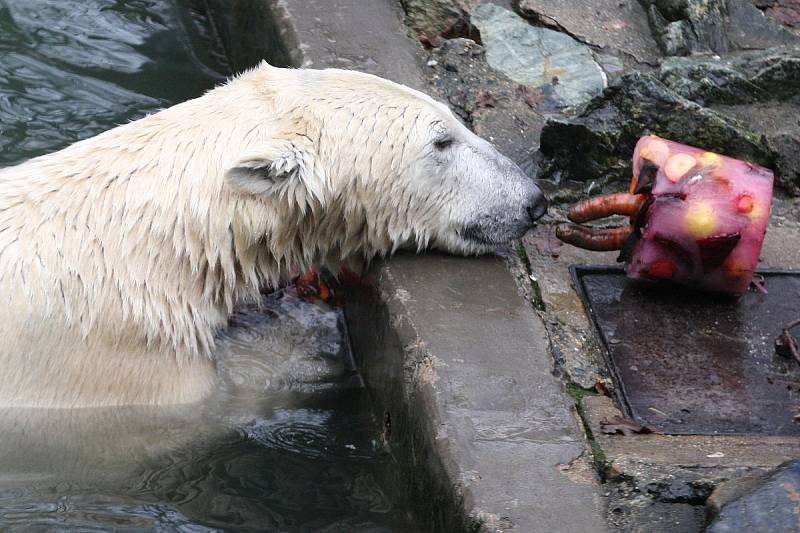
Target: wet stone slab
[(610, 24), (695, 364), (537, 57)]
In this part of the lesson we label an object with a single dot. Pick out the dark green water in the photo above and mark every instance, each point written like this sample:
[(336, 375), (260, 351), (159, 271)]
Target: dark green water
[(70, 69), (287, 443)]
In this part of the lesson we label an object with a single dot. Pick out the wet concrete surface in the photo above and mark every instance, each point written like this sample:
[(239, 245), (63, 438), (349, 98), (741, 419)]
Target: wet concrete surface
[(631, 464), (351, 34), (478, 374)]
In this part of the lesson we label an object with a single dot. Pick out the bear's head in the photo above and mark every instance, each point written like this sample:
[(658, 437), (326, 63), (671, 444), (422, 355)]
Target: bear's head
[(371, 166)]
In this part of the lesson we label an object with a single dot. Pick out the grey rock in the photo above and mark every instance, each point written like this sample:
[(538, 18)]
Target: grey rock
[(741, 78), (745, 105), (779, 123), (611, 64), (613, 25), (771, 507), (783, 12), (785, 142), (727, 491), (748, 28), (562, 67), (678, 491), (599, 142), (684, 27), (759, 89)]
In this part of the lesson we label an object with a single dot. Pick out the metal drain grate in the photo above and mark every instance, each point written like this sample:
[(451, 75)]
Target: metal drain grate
[(689, 363)]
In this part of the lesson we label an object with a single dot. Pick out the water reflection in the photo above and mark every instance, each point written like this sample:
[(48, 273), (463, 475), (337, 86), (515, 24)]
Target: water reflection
[(70, 69)]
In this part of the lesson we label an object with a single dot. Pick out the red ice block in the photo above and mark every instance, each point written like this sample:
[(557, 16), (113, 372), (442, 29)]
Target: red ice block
[(704, 221)]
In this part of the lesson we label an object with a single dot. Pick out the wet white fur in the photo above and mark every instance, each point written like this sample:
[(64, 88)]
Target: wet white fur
[(122, 255)]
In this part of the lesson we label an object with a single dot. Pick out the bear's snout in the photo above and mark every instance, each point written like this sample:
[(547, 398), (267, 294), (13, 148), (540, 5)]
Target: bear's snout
[(537, 207)]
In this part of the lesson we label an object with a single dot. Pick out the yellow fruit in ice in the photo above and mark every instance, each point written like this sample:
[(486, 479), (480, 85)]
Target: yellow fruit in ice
[(700, 220), (677, 166), (656, 151), (709, 160)]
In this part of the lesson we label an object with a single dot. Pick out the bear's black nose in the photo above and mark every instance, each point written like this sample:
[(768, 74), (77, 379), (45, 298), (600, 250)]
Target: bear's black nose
[(538, 208)]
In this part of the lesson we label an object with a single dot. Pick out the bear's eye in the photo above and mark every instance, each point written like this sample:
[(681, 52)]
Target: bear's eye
[(443, 143)]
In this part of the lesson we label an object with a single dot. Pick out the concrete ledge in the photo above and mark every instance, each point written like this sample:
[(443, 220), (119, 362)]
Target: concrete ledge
[(461, 373), (351, 34), (699, 452)]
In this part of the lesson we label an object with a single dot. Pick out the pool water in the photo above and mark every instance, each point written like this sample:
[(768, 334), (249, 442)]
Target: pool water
[(287, 443)]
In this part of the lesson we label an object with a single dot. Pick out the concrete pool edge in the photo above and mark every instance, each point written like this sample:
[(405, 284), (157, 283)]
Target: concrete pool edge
[(480, 446), (458, 364)]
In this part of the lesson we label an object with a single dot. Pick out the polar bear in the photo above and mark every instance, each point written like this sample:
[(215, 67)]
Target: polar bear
[(123, 255)]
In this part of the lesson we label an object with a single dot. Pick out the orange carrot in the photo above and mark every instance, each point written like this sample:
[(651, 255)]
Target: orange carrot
[(595, 239), (602, 206)]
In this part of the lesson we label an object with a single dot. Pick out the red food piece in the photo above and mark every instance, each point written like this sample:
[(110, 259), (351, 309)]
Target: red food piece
[(661, 269), (714, 250), (745, 204)]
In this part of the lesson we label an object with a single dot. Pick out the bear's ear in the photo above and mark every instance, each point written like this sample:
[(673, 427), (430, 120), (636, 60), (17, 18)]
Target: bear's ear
[(282, 166)]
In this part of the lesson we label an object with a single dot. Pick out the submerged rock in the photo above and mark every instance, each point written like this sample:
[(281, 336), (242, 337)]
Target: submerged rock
[(768, 505), (562, 67), (683, 27)]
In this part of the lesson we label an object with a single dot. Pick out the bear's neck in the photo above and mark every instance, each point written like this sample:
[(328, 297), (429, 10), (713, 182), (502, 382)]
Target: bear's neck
[(131, 238)]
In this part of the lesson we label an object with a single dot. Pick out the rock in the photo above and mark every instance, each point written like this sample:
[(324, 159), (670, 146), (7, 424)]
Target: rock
[(598, 143), (727, 491), (667, 518), (779, 123), (496, 107), (436, 19), (772, 506), (678, 491), (563, 68), (737, 79), (786, 145), (684, 27), (784, 12), (613, 25), (632, 511), (759, 89), (746, 105)]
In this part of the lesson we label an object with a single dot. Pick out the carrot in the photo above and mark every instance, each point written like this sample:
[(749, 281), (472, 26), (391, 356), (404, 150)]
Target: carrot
[(602, 206), (595, 239)]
